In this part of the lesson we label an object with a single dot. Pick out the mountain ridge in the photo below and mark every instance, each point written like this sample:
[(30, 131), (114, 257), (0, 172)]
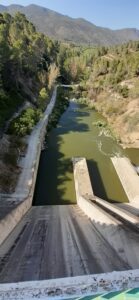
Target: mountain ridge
[(76, 30)]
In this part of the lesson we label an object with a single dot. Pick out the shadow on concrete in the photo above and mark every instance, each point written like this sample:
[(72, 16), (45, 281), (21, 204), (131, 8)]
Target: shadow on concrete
[(61, 241), (97, 183)]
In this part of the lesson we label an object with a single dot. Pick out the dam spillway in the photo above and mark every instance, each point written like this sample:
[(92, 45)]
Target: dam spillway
[(55, 241), (60, 241)]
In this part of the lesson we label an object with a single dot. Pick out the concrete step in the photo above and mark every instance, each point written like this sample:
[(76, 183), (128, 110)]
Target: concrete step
[(119, 211), (133, 208)]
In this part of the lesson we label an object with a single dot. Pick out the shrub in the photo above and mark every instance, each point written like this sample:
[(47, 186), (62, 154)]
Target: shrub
[(10, 158), (123, 90), (43, 98), (100, 123), (23, 125)]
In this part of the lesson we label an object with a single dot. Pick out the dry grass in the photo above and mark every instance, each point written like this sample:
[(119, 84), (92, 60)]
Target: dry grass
[(122, 115), (9, 170)]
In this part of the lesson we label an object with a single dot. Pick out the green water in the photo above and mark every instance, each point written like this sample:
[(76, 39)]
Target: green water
[(76, 135)]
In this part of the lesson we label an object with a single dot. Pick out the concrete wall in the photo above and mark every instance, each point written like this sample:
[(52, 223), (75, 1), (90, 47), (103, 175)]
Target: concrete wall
[(10, 220), (71, 287), (13, 207), (98, 210), (84, 192), (82, 180), (128, 177)]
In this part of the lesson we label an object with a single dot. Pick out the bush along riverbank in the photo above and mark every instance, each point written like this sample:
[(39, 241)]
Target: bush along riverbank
[(62, 102), (119, 113), (103, 122)]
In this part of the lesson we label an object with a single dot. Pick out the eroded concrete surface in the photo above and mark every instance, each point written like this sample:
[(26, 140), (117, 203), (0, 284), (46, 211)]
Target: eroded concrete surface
[(73, 287), (60, 241)]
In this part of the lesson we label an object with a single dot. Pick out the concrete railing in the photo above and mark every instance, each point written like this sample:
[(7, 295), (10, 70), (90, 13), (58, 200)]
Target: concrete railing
[(73, 287)]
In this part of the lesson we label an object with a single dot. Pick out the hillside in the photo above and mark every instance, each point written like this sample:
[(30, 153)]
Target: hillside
[(64, 28), (27, 58), (109, 82), (27, 74)]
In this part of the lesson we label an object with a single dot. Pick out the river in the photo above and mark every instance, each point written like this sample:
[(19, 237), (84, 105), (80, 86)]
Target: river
[(77, 135)]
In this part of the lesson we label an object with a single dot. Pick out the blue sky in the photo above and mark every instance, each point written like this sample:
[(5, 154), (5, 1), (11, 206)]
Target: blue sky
[(107, 13)]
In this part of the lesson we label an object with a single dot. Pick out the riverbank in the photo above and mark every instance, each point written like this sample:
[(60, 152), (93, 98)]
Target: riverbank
[(120, 111), (123, 117), (62, 102)]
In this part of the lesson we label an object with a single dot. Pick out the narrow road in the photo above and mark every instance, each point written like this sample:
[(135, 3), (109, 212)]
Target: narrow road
[(60, 241)]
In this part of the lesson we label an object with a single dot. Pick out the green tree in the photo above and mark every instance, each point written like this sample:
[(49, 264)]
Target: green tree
[(43, 98)]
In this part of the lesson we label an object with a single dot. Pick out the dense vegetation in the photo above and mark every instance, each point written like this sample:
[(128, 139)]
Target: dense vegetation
[(64, 28), (30, 62), (27, 65), (62, 102), (27, 73), (108, 78), (103, 65)]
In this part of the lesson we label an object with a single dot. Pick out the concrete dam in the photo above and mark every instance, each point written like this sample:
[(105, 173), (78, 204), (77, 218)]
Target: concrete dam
[(47, 243)]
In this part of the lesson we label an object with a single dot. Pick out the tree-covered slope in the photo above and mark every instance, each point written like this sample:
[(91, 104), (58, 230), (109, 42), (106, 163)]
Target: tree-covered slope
[(65, 28), (109, 81), (27, 73), (30, 62), (27, 64)]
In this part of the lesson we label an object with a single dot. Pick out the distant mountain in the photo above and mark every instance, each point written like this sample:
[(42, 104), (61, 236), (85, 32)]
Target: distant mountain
[(2, 8), (64, 28)]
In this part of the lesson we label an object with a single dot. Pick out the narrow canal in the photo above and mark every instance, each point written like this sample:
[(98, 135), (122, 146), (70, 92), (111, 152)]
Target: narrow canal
[(78, 135)]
